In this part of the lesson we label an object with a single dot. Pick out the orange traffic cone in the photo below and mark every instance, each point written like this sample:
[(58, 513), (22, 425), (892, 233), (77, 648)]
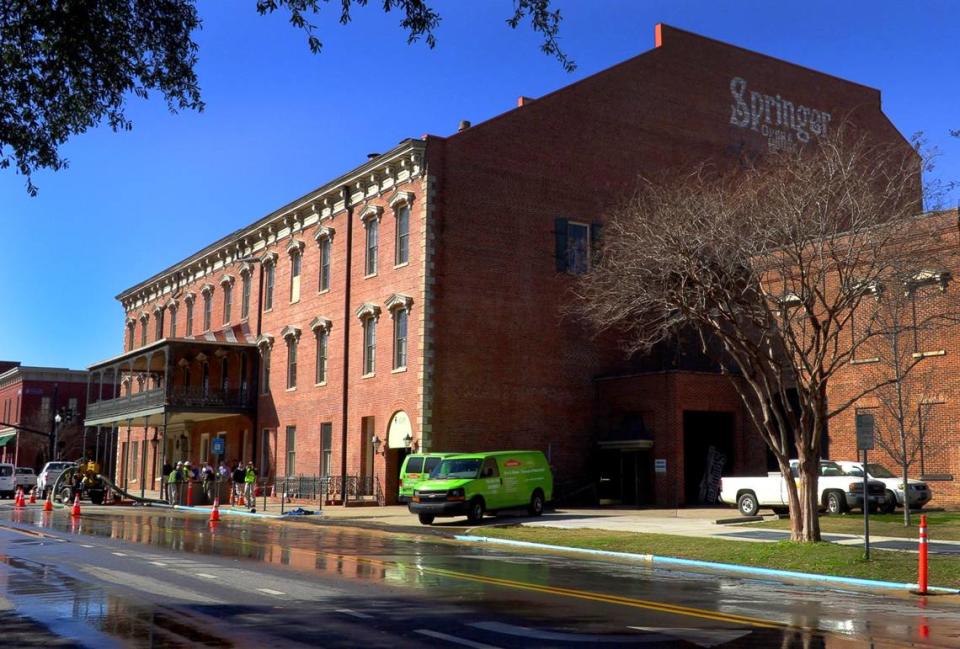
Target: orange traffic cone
[(76, 507), (33, 496), (18, 501), (48, 506), (215, 512), (240, 502)]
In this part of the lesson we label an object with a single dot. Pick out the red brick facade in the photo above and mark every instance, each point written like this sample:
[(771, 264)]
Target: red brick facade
[(492, 362)]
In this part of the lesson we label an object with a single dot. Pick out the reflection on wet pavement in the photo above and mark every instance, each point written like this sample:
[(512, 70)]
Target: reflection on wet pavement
[(192, 584)]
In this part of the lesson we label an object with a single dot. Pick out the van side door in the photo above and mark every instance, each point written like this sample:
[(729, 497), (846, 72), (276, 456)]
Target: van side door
[(492, 483)]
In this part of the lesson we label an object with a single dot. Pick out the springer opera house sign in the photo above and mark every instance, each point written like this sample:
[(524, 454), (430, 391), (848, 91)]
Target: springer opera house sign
[(781, 121)]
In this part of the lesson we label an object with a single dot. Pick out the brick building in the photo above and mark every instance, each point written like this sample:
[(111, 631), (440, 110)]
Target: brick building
[(31, 397), (416, 301)]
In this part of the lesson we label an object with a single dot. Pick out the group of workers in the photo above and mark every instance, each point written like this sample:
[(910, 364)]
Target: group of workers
[(243, 479)]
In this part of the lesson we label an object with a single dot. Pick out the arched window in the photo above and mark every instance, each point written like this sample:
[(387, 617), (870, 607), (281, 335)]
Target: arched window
[(144, 320), (292, 337), (245, 292), (172, 308), (321, 330), (399, 307), (227, 283), (189, 299), (325, 243), (207, 291), (401, 210), (368, 315), (371, 223), (269, 264), (295, 250)]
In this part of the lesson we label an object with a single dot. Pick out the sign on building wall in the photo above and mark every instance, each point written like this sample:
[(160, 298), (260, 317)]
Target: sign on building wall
[(783, 122), (660, 465)]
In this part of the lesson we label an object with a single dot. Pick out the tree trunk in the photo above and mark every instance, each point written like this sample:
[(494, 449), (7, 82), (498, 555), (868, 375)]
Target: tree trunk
[(809, 502), (793, 499)]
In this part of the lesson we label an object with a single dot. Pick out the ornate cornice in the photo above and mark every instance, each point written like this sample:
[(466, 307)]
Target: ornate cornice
[(368, 310), (321, 324)]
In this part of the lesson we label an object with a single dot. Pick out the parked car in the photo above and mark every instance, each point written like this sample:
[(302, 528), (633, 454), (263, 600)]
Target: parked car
[(26, 478), (477, 483), (49, 474), (7, 481), (415, 469), (837, 492), (920, 493)]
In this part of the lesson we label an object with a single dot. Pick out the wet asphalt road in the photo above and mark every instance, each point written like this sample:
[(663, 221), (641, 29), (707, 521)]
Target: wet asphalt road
[(154, 578)]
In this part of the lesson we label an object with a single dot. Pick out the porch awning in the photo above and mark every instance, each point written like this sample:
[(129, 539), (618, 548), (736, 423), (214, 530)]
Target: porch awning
[(6, 435)]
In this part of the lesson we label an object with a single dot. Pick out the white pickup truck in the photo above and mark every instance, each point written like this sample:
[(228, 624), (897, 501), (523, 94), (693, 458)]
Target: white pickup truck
[(838, 492)]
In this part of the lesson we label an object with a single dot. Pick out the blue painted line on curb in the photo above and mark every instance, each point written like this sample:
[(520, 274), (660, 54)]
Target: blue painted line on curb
[(234, 512), (725, 567)]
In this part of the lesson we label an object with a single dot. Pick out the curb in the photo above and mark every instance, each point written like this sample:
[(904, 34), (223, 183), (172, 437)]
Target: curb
[(234, 512), (722, 567)]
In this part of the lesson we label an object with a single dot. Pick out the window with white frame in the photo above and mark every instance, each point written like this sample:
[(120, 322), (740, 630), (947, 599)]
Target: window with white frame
[(403, 235), (323, 339), (326, 449), (131, 329), (368, 314), (158, 316), (245, 296), (143, 329), (270, 276), (326, 246), (173, 320), (372, 226), (227, 301), (189, 324), (291, 450), (291, 362), (265, 349), (575, 245), (207, 309), (295, 250), (400, 339)]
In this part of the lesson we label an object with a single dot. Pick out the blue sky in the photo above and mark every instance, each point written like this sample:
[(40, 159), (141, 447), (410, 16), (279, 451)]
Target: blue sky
[(281, 121)]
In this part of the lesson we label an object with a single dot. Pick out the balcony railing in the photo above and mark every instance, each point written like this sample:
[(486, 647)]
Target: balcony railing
[(198, 397)]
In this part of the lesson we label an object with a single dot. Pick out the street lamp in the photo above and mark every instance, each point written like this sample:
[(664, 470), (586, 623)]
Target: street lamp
[(56, 436)]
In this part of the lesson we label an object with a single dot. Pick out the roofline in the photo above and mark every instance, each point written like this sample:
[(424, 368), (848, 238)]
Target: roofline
[(405, 146), (133, 353), (37, 373)]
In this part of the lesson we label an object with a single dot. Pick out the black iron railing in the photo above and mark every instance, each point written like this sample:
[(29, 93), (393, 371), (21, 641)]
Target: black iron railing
[(177, 396)]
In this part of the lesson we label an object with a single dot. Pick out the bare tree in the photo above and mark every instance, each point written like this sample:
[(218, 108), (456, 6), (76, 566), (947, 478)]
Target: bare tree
[(906, 321), (771, 261)]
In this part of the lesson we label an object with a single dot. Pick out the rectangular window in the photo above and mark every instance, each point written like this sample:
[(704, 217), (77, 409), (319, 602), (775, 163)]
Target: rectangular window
[(245, 297), (295, 277), (325, 250), (190, 318), (134, 464), (227, 302), (291, 450), (205, 378), (578, 248), (322, 339), (268, 289), (265, 372), (403, 235), (292, 363), (400, 339), (369, 345), (158, 334), (143, 331), (265, 452), (373, 235), (130, 336), (224, 375), (173, 322), (207, 310), (326, 448), (45, 408)]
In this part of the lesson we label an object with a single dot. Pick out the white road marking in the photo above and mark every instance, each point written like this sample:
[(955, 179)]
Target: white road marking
[(270, 591), (84, 545), (118, 554), (558, 636), (205, 575), (362, 616), (454, 639), (699, 637), (158, 563)]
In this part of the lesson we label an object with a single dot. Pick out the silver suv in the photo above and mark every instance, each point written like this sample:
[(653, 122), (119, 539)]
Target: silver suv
[(48, 476)]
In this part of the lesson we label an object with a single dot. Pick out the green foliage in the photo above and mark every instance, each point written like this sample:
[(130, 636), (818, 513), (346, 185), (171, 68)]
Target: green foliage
[(69, 65)]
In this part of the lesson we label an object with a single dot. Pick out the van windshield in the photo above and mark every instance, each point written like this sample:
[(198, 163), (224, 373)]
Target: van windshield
[(467, 468)]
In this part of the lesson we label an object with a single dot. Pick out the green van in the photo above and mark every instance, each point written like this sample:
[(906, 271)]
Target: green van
[(414, 470), (475, 483)]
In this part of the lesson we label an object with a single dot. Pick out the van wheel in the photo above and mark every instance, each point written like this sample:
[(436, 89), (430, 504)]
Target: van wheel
[(836, 504), (536, 503), (426, 519), (747, 504), (475, 513)]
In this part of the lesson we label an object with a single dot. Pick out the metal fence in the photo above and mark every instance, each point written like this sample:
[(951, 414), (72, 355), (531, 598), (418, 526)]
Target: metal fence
[(328, 488)]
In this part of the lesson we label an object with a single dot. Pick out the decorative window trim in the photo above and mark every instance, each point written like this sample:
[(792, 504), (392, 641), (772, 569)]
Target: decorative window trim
[(158, 309), (227, 280), (324, 232), (371, 212), (172, 305), (368, 310), (928, 278), (295, 246), (402, 198), (245, 269), (321, 324), (131, 322), (264, 343), (399, 301), (183, 362), (269, 258), (206, 289), (938, 352), (289, 332), (190, 298)]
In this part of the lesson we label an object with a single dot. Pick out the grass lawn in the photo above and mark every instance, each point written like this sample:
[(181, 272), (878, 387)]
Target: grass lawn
[(944, 526), (820, 558)]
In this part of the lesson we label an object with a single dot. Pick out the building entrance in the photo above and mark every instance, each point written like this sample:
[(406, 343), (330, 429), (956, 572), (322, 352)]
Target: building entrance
[(626, 476), (707, 449)]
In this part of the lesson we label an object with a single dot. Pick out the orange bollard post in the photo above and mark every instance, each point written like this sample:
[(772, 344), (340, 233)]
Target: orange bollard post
[(75, 512), (922, 568), (33, 496), (215, 512), (189, 494), (48, 506)]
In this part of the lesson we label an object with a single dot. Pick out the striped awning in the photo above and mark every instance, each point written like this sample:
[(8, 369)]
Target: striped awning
[(6, 435)]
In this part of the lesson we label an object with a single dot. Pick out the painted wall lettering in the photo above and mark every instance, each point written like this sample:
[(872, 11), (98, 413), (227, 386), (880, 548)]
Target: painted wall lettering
[(780, 120)]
